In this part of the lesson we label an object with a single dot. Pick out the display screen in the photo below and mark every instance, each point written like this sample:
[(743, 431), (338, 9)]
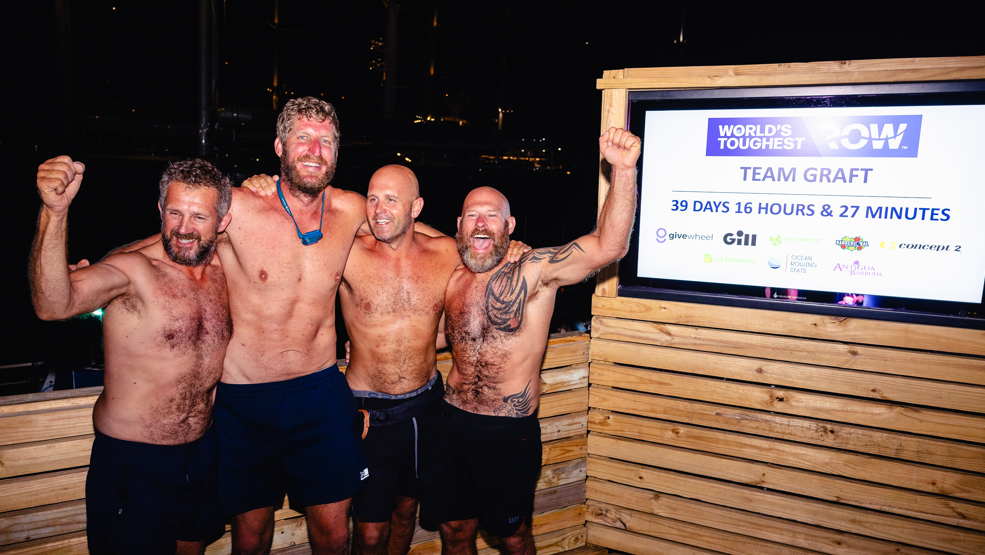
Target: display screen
[(866, 196)]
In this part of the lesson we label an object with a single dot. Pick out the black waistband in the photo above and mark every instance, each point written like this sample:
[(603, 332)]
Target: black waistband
[(383, 412)]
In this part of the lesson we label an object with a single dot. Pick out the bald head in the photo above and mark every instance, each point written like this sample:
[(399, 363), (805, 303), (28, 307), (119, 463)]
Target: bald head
[(392, 202), (487, 197)]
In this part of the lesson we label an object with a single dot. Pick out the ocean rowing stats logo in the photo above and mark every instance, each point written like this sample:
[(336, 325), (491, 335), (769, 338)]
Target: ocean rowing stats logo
[(828, 137), (852, 244)]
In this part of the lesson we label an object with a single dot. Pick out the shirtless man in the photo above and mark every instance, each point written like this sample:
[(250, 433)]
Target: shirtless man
[(481, 466), (285, 417), (151, 486)]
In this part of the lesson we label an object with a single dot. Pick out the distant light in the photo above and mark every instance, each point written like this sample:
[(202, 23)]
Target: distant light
[(405, 158), (398, 154), (559, 148), (569, 173)]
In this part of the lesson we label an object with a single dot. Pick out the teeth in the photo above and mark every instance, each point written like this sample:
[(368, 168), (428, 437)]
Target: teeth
[(481, 236)]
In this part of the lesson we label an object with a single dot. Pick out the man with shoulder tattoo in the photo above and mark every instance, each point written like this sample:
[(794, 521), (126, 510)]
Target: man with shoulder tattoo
[(481, 465), (151, 485)]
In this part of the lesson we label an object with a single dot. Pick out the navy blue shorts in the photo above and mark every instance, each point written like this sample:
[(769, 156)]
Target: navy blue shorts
[(479, 466), (391, 448), (142, 498), (300, 436)]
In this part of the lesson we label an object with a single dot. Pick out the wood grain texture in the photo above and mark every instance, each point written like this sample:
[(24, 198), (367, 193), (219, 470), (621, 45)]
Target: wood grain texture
[(814, 538), (565, 449), (894, 389), (564, 402), (65, 544), (929, 479), (899, 362), (936, 508), (44, 456), (875, 524), (560, 427), (42, 425), (42, 522), (638, 544), (25, 492), (615, 103), (812, 326), (900, 418), (941, 452)]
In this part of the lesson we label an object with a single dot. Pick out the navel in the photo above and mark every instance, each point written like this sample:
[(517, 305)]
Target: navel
[(263, 275)]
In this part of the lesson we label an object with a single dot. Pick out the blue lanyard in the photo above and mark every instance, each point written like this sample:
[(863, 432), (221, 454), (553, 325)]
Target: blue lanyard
[(310, 237)]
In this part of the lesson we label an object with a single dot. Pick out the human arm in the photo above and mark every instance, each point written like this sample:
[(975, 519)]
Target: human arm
[(609, 241), (56, 293)]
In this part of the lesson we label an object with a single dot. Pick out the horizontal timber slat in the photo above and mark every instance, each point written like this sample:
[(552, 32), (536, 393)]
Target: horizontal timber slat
[(42, 425), (886, 360), (42, 522), (638, 544), (24, 492), (44, 456), (876, 524), (934, 480), (964, 427), (895, 389), (565, 449), (564, 402), (65, 544), (685, 532), (37, 401), (814, 538), (852, 330), (927, 450), (945, 510), (558, 427), (549, 542), (565, 378)]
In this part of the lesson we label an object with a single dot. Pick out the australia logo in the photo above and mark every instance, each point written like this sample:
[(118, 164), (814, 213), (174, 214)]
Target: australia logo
[(852, 244)]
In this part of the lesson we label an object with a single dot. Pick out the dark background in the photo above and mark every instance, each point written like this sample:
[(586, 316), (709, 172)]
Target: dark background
[(116, 85)]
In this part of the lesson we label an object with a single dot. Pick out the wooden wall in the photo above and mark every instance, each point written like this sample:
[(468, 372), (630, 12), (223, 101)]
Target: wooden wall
[(751, 431), (45, 440)]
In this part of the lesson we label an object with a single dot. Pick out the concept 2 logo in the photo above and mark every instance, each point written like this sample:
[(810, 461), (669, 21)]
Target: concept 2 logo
[(839, 136)]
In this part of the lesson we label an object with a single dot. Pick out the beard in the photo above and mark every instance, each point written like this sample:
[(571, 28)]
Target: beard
[(398, 227), (481, 263), (311, 186), (199, 257)]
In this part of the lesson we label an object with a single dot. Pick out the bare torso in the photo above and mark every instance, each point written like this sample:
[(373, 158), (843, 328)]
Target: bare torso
[(497, 325), (164, 343), (392, 306), (282, 293)]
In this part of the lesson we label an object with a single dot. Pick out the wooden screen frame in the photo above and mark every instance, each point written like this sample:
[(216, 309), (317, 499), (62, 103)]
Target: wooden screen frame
[(615, 86)]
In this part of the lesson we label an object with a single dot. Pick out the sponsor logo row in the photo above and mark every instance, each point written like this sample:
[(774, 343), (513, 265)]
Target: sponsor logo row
[(847, 243), (800, 264)]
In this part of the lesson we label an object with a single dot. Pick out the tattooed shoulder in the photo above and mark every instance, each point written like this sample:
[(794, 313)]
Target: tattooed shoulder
[(552, 255)]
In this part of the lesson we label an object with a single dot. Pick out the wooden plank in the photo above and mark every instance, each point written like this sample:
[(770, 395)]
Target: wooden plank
[(938, 423), (945, 510), (8, 400), (66, 544), (814, 538), (546, 539), (638, 544), (42, 522), (837, 328), (930, 535), (565, 449), (813, 73), (929, 479), (42, 425), (900, 362), (555, 427), (564, 379), (44, 456), (287, 533), (686, 533), (588, 550), (43, 405), (560, 497), (551, 542), (927, 450), (24, 492), (615, 103), (564, 402), (566, 353), (895, 389), (563, 473)]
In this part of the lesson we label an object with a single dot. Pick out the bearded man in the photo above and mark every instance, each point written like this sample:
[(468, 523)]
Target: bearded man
[(151, 486), (481, 461)]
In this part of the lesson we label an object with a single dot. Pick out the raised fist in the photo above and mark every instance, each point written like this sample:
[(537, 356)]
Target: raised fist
[(58, 182)]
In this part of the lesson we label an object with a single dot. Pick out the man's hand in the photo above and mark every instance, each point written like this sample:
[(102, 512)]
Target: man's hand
[(263, 185), (516, 250), (82, 264), (59, 180), (620, 148)]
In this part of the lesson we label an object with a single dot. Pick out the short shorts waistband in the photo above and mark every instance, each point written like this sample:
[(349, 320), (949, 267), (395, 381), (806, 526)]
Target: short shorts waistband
[(485, 421), (155, 447), (322, 376), (377, 395)]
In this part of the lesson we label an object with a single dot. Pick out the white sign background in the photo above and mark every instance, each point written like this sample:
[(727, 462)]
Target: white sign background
[(798, 251)]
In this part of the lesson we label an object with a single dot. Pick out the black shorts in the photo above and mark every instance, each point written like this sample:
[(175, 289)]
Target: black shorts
[(479, 466), (299, 436), (391, 448), (142, 498)]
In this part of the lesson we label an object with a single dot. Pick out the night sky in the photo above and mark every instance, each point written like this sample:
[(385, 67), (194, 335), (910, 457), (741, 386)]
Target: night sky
[(115, 84)]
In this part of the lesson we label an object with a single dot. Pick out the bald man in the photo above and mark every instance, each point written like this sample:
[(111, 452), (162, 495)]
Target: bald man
[(483, 455)]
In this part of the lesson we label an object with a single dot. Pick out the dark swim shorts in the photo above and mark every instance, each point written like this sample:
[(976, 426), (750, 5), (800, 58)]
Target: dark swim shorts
[(391, 447), (142, 498), (479, 466), (300, 436)]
